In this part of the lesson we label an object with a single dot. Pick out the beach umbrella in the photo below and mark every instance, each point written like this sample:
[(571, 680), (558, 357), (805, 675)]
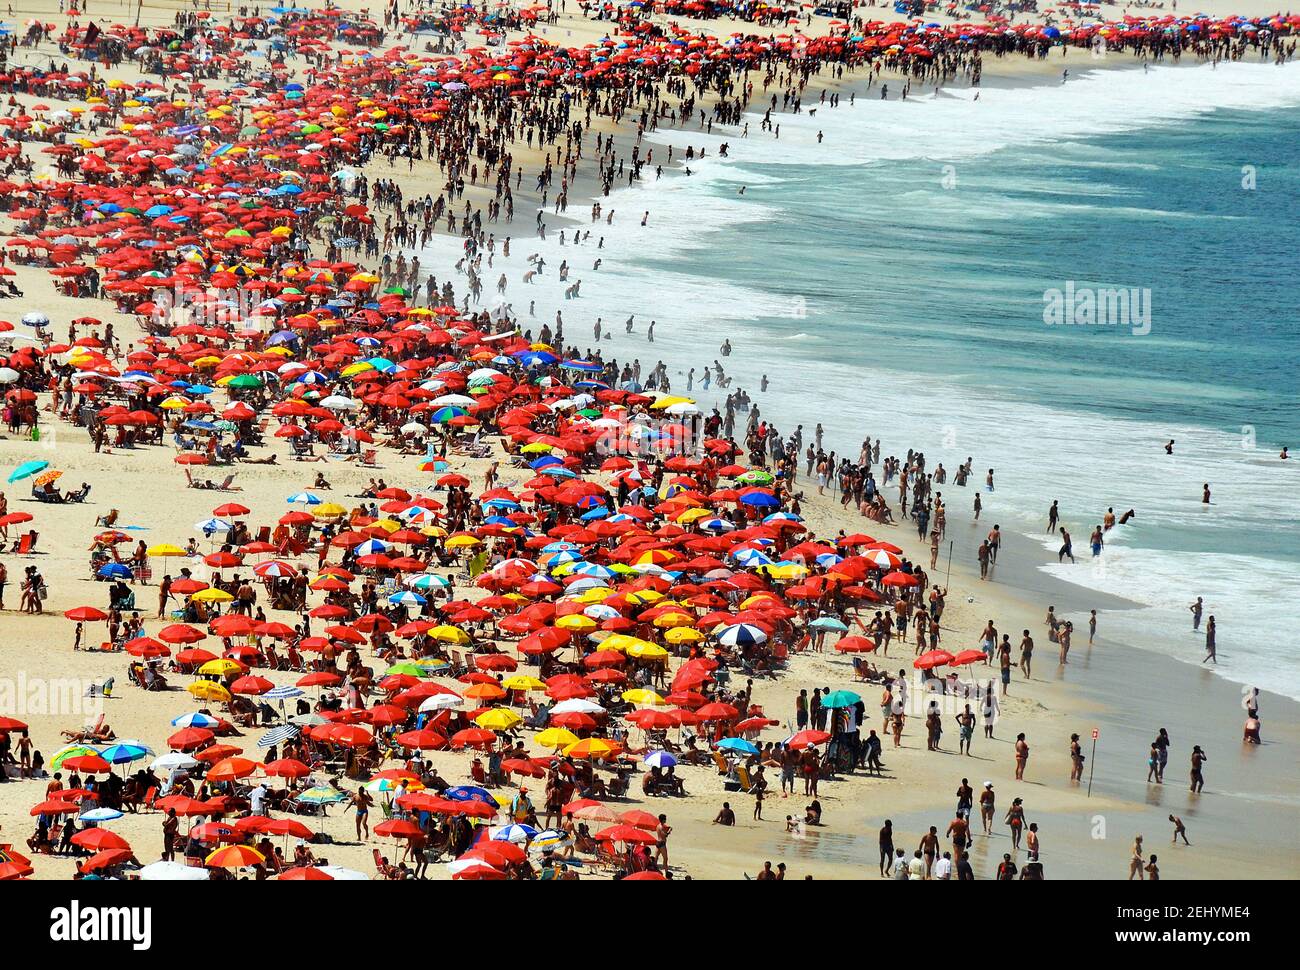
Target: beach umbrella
[(659, 759), (737, 745), (930, 659), (27, 469), (741, 635), (234, 857), (840, 698)]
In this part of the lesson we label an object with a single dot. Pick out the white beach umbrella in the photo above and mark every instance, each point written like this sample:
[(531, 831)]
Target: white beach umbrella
[(440, 702), (577, 705)]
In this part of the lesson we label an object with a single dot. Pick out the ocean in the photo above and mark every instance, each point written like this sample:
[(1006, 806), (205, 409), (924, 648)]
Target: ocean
[(907, 278)]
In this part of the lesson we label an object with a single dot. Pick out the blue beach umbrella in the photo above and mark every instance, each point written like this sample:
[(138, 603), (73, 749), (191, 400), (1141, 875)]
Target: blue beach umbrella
[(27, 469), (738, 745)]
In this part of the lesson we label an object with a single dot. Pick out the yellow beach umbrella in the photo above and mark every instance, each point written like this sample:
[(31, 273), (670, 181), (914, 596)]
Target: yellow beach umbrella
[(449, 634), (683, 634), (328, 510), (642, 695), (671, 618), (498, 719), (208, 690), (555, 738), (211, 595), (523, 682), (647, 651), (460, 542), (576, 621), (220, 667), (165, 550)]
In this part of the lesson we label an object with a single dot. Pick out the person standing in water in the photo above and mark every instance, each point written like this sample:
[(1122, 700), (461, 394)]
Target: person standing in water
[(1053, 516), (1067, 546), (1198, 759), (1210, 652), (1197, 609)]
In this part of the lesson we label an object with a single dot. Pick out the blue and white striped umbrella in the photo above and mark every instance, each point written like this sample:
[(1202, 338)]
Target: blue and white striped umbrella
[(195, 719), (277, 735), (283, 693), (741, 635), (514, 832), (591, 569), (407, 598), (114, 570), (304, 498), (209, 526), (660, 759), (372, 547), (750, 557)]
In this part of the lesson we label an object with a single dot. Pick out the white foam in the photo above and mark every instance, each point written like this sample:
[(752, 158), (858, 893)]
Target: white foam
[(1176, 549)]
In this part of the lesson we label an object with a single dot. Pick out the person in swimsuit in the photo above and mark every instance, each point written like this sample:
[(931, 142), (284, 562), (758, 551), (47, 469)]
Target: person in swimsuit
[(1031, 841), (1022, 756), (1198, 759), (1136, 862), (1076, 758), (361, 801), (987, 800), (1015, 820), (886, 847), (966, 725)]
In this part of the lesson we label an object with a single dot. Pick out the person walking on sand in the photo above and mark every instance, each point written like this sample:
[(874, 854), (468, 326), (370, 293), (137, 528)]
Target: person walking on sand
[(987, 805), (1026, 654), (362, 801), (662, 831), (1210, 651)]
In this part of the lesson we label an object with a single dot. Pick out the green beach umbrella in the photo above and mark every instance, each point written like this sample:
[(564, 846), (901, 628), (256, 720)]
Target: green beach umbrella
[(840, 698)]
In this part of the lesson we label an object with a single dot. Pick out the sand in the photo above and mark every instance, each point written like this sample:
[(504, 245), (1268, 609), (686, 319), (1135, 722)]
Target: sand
[(1247, 809)]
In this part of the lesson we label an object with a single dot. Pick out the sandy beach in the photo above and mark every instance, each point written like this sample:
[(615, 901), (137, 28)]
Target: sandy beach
[(1251, 795)]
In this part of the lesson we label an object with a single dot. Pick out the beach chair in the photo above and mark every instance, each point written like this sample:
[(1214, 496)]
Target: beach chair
[(724, 766), (26, 544), (228, 485), (368, 458)]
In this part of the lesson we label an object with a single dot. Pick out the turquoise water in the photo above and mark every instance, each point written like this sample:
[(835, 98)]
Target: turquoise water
[(913, 276), (890, 280)]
